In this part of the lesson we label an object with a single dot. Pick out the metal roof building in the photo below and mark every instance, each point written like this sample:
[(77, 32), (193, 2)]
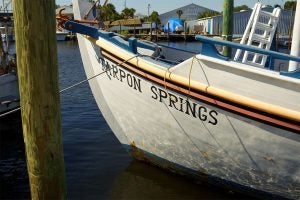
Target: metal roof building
[(189, 12), (240, 21)]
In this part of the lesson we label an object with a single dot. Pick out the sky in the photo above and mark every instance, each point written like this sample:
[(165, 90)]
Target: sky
[(162, 6)]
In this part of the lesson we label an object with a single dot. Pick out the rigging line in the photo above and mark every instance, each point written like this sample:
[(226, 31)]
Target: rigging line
[(9, 112), (78, 83), (190, 74), (85, 80), (189, 85), (234, 130)]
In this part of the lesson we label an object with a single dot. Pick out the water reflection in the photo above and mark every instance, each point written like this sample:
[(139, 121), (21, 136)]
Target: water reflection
[(143, 181), (13, 170)]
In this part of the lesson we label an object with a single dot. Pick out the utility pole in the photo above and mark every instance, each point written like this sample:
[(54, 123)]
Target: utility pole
[(40, 106), (295, 49), (148, 10), (227, 27)]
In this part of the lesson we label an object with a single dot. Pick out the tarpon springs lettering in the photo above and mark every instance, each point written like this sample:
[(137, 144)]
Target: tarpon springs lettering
[(173, 101), (119, 74), (185, 106)]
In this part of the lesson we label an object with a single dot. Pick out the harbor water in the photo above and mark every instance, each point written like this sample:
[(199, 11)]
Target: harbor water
[(97, 167)]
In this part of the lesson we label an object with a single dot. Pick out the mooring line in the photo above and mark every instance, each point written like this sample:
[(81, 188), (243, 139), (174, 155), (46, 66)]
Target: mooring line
[(78, 83)]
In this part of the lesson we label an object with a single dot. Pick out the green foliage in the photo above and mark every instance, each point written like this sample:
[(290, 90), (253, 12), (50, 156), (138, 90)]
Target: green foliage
[(239, 8), (124, 32), (128, 13), (208, 13), (179, 13), (291, 5), (108, 12), (154, 17)]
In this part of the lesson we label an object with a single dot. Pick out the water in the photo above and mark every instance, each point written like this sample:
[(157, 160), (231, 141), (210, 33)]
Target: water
[(97, 167)]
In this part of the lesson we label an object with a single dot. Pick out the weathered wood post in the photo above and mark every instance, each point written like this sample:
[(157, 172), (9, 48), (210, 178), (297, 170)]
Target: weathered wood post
[(168, 32), (39, 92), (156, 31), (2, 55), (184, 28), (151, 30), (227, 27)]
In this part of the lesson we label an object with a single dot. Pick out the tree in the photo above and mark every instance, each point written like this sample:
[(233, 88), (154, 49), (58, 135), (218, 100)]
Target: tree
[(208, 13), (290, 5), (179, 13), (241, 7), (108, 12), (154, 17), (128, 13)]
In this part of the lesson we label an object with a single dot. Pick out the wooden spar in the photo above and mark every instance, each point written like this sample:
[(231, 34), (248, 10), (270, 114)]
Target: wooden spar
[(227, 27), (295, 50), (39, 92)]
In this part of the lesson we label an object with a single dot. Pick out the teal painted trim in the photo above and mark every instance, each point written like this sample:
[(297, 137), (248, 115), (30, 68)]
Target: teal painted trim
[(272, 54), (133, 44), (130, 45), (209, 49), (81, 28), (294, 74)]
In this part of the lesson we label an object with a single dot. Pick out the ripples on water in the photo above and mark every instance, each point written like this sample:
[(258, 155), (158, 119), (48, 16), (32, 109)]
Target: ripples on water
[(97, 167)]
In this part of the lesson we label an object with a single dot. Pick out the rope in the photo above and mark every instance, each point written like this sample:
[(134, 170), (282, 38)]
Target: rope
[(189, 86), (78, 83)]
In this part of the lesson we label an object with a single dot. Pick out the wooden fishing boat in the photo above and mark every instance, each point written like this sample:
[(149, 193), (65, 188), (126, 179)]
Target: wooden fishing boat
[(9, 88), (197, 114)]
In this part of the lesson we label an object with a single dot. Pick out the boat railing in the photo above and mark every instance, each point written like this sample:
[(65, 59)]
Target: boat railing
[(209, 49), (130, 44)]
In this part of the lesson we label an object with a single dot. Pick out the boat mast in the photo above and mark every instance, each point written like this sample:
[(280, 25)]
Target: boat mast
[(295, 50)]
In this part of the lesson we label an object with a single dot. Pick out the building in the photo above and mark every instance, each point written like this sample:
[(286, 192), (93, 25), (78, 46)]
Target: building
[(213, 25), (200, 26), (240, 21), (189, 12)]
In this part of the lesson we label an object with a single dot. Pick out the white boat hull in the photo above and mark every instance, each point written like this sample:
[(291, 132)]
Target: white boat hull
[(9, 93), (61, 36), (194, 134), (215, 142)]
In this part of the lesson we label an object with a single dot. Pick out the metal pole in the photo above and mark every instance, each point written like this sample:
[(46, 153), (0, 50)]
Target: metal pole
[(227, 27), (168, 32), (295, 50), (39, 92)]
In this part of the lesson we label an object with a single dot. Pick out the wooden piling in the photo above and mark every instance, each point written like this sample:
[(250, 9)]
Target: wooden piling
[(168, 32), (39, 91), (150, 30), (156, 32), (227, 27), (184, 31)]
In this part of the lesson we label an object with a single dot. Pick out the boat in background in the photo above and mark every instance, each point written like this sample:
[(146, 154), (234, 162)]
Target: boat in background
[(9, 93), (198, 114), (61, 35), (9, 88)]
